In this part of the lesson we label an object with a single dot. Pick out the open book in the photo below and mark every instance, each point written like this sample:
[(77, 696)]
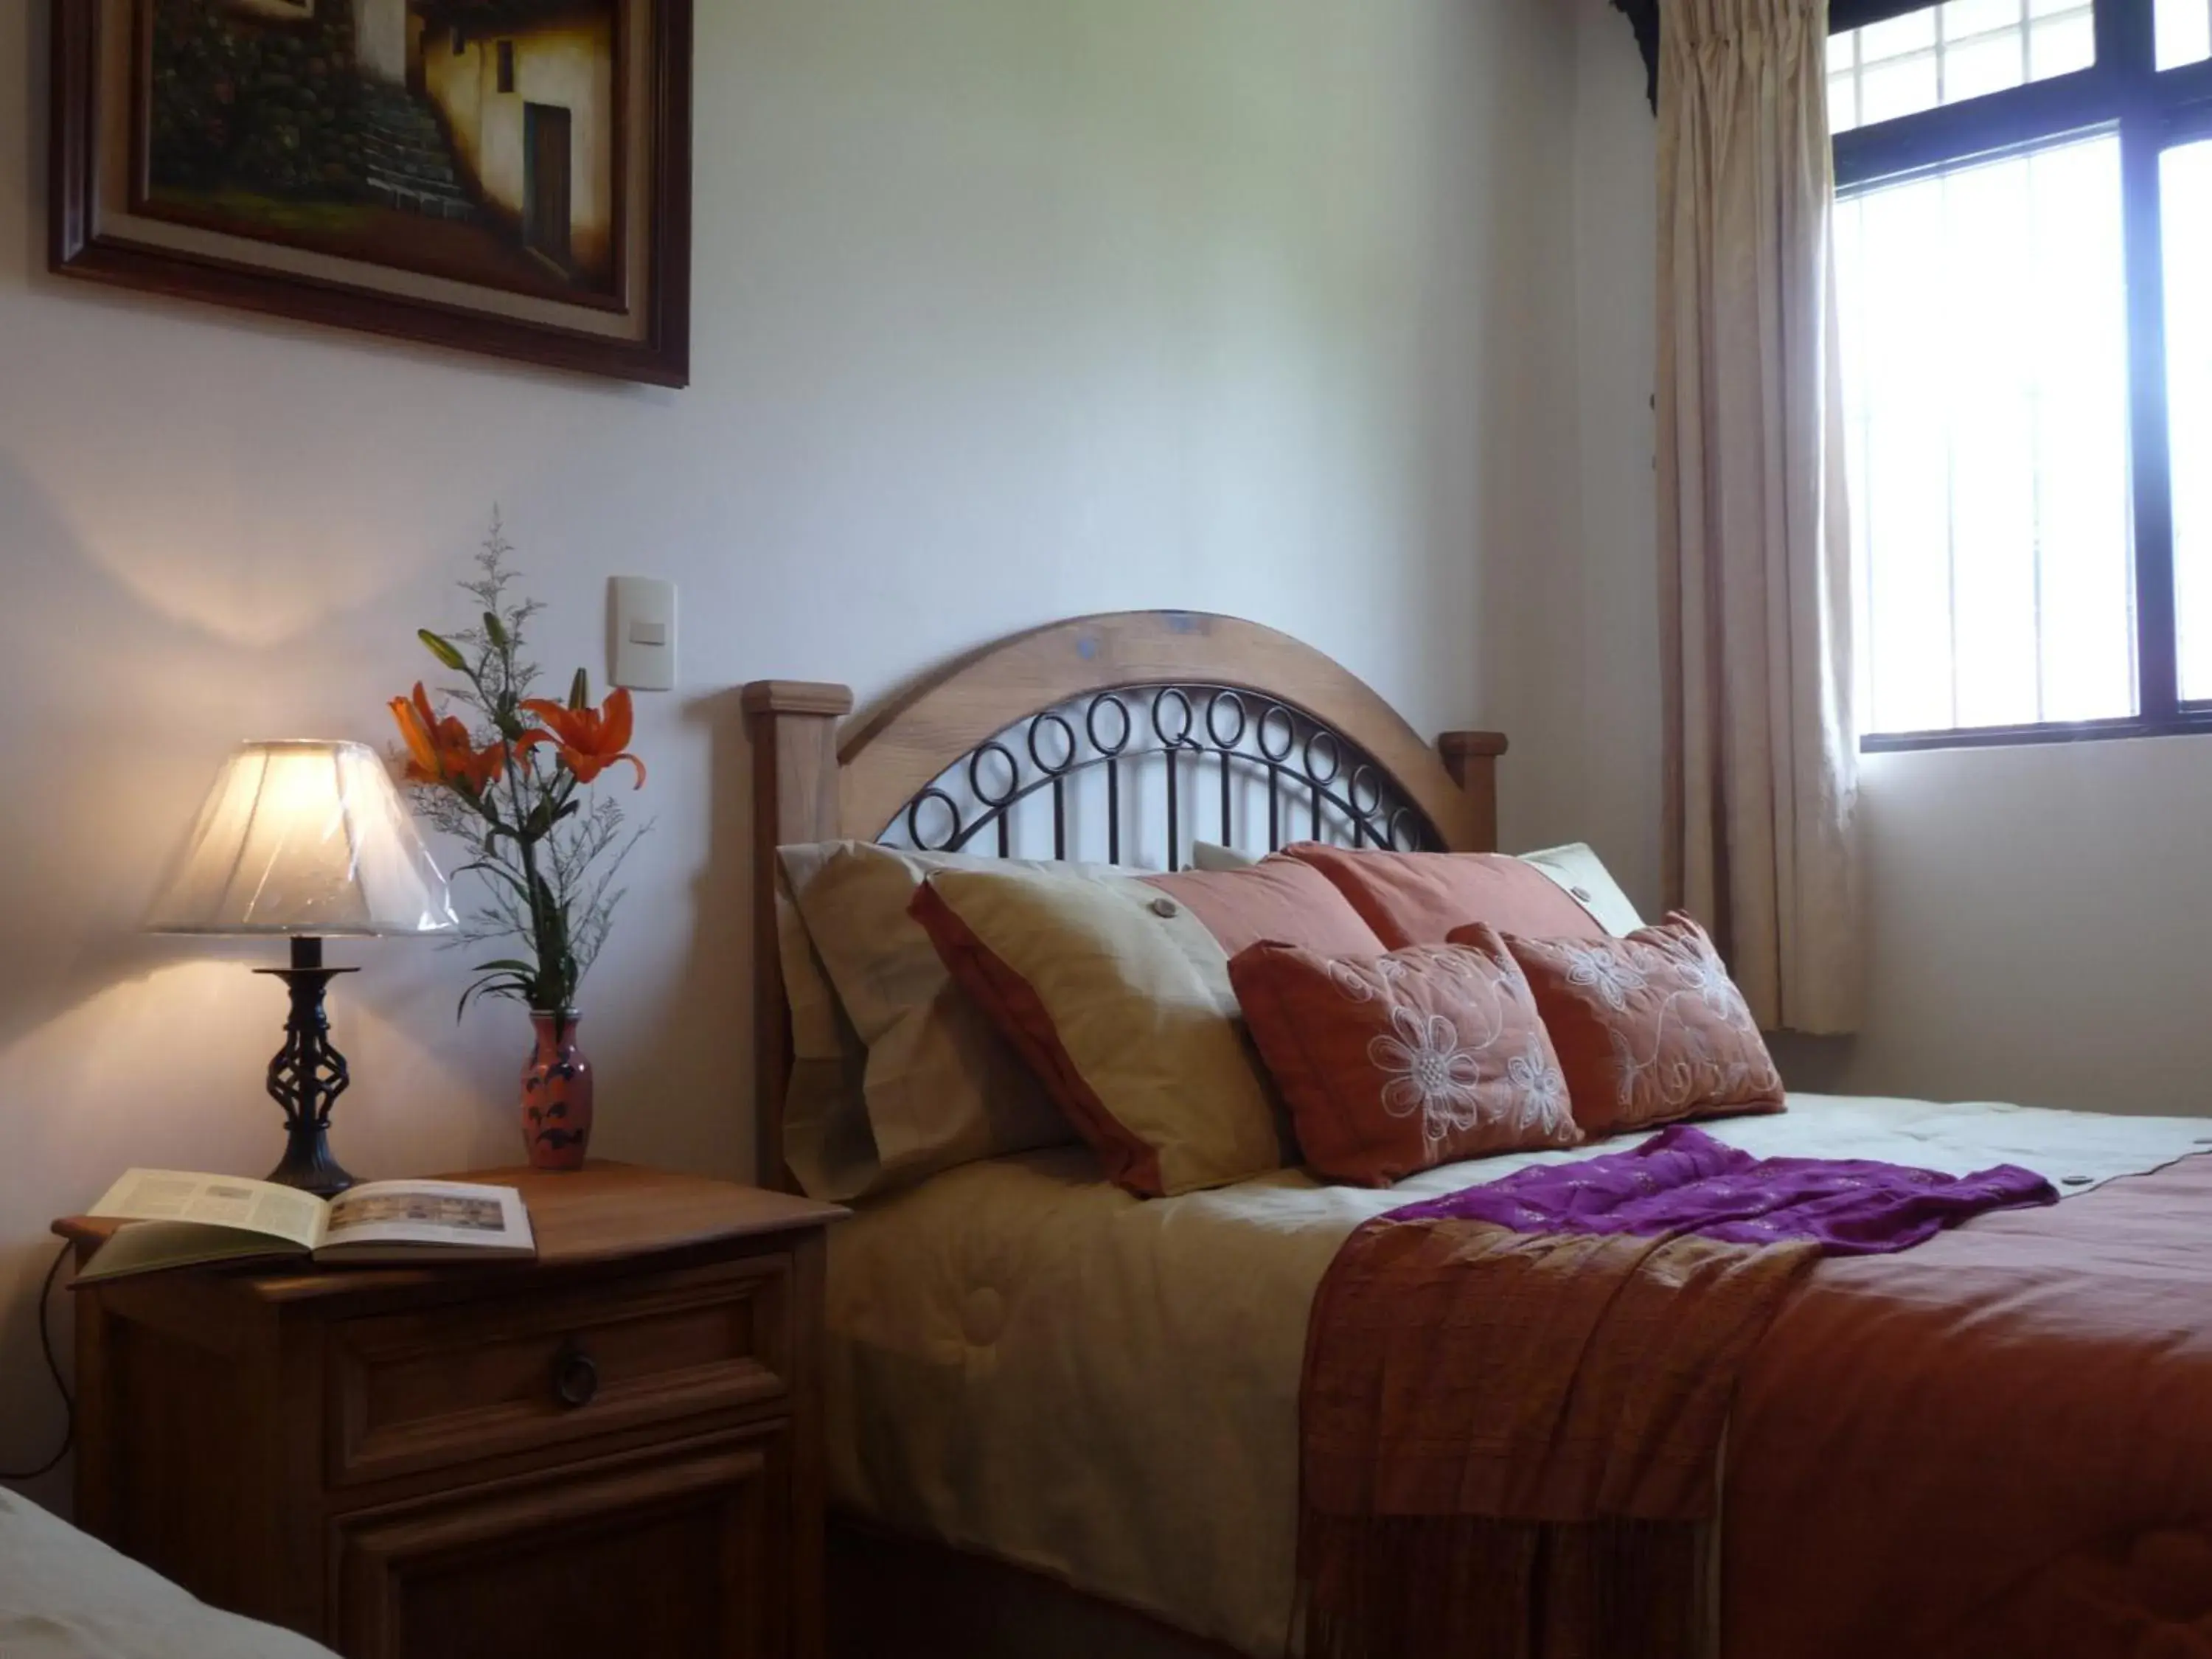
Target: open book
[(177, 1220)]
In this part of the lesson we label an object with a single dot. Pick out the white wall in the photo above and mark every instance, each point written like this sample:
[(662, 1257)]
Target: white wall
[(1584, 717), (2036, 915), (2039, 925), (1005, 312)]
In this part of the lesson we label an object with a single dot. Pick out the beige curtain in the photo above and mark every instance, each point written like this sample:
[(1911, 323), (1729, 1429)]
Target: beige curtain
[(1761, 750)]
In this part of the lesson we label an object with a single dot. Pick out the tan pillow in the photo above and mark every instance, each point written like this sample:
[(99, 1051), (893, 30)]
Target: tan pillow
[(827, 1142), (940, 1087), (1576, 868), (1120, 999), (1212, 856)]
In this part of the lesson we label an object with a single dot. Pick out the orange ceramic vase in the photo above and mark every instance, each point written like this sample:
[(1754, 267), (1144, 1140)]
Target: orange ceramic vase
[(557, 1094)]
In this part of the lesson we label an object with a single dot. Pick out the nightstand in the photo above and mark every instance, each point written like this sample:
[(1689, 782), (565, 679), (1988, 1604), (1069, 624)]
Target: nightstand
[(613, 1450)]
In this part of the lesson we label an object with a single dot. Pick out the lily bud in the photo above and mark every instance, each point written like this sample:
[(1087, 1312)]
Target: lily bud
[(442, 649)]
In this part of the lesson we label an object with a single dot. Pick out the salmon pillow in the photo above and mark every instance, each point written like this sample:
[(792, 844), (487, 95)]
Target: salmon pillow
[(1277, 898), (1650, 1028), (1418, 898), (1396, 1063)]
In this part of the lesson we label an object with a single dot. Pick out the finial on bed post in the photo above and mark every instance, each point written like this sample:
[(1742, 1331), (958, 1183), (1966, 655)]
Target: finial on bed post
[(1471, 757), (792, 727)]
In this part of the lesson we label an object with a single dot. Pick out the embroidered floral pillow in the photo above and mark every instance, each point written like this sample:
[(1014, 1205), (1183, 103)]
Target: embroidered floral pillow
[(1397, 1063), (1650, 1028)]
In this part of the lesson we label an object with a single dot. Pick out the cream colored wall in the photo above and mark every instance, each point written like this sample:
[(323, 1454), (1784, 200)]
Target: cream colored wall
[(2036, 914), (461, 83), (569, 66), (1578, 668), (1005, 312)]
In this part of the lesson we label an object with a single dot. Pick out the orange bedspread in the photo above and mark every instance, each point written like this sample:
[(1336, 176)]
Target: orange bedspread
[(1510, 1440), (1999, 1444)]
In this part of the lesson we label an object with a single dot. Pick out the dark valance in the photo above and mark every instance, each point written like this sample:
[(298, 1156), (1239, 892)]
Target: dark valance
[(1643, 18)]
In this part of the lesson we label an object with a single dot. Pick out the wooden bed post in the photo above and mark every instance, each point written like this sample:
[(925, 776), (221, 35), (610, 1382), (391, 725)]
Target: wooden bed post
[(1471, 757), (792, 727)]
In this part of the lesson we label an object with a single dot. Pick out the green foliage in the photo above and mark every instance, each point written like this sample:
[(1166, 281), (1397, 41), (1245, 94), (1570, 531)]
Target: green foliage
[(548, 851)]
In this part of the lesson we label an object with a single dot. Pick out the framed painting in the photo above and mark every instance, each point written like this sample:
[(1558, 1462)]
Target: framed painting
[(502, 176)]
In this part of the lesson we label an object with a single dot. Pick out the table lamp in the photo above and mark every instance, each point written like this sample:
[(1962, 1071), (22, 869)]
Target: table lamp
[(305, 840)]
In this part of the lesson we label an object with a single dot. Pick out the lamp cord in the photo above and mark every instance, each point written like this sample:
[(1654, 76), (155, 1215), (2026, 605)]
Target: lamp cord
[(54, 1370)]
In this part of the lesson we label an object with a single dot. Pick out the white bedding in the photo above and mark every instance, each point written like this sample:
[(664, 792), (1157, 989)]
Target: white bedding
[(1027, 1362), (65, 1595)]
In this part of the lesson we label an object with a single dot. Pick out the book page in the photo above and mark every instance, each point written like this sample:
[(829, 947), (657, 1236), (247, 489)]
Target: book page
[(453, 1214), (144, 1247), (256, 1206)]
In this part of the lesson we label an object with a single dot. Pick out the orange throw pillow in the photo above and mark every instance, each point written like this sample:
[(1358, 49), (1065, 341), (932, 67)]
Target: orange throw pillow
[(1418, 898), (1650, 1028), (1396, 1063)]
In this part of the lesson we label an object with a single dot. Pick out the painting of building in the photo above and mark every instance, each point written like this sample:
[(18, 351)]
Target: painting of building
[(529, 104), (475, 139)]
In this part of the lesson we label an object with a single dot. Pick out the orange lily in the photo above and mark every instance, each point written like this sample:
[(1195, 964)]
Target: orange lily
[(589, 740), (440, 751)]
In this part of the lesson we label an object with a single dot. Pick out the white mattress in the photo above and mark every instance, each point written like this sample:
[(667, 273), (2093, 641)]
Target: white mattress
[(65, 1595), (1027, 1362)]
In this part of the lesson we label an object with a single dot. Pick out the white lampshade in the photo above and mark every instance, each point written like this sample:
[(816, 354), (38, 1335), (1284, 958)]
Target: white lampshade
[(303, 838)]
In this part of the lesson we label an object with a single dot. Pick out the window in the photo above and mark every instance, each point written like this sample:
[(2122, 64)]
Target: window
[(2186, 213), (1986, 357), (2024, 259), (2185, 32), (507, 66), (1949, 53)]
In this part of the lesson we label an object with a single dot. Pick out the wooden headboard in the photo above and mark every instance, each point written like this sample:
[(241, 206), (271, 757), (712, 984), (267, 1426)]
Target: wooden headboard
[(1329, 753)]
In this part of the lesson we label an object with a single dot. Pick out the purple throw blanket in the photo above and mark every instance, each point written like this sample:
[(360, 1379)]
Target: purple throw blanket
[(1683, 1181)]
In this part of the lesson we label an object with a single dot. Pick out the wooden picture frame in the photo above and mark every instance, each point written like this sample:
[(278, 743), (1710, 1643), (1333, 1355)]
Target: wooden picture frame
[(630, 321)]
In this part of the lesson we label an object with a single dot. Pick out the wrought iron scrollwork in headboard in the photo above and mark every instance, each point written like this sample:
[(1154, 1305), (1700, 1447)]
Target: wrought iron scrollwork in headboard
[(1226, 761)]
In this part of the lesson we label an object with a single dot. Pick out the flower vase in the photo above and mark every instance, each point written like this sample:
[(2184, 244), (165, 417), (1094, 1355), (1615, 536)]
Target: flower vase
[(557, 1094)]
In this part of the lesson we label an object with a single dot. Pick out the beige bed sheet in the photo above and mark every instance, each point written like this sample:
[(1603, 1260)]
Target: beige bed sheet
[(65, 1595), (1027, 1362)]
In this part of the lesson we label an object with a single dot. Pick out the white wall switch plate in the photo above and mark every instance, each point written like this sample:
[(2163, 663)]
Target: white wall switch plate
[(642, 621)]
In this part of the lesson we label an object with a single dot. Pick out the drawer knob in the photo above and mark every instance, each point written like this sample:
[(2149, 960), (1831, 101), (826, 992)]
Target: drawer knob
[(575, 1376)]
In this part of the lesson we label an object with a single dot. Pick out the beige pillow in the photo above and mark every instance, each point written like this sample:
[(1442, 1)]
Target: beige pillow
[(827, 1142), (1212, 856), (1120, 999), (1578, 869), (918, 1080)]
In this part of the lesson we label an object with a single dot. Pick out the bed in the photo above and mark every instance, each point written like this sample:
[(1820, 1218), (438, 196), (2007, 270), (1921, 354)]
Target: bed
[(65, 1595), (1064, 1420)]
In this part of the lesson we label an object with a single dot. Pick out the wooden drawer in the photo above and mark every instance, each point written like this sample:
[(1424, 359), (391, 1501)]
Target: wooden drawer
[(487, 1378), (667, 1554)]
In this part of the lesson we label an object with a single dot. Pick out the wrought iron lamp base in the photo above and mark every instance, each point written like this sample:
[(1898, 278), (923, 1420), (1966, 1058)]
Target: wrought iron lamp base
[(308, 1075)]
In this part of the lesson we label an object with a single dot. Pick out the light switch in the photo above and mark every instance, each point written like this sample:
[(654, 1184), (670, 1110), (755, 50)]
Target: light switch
[(643, 617)]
